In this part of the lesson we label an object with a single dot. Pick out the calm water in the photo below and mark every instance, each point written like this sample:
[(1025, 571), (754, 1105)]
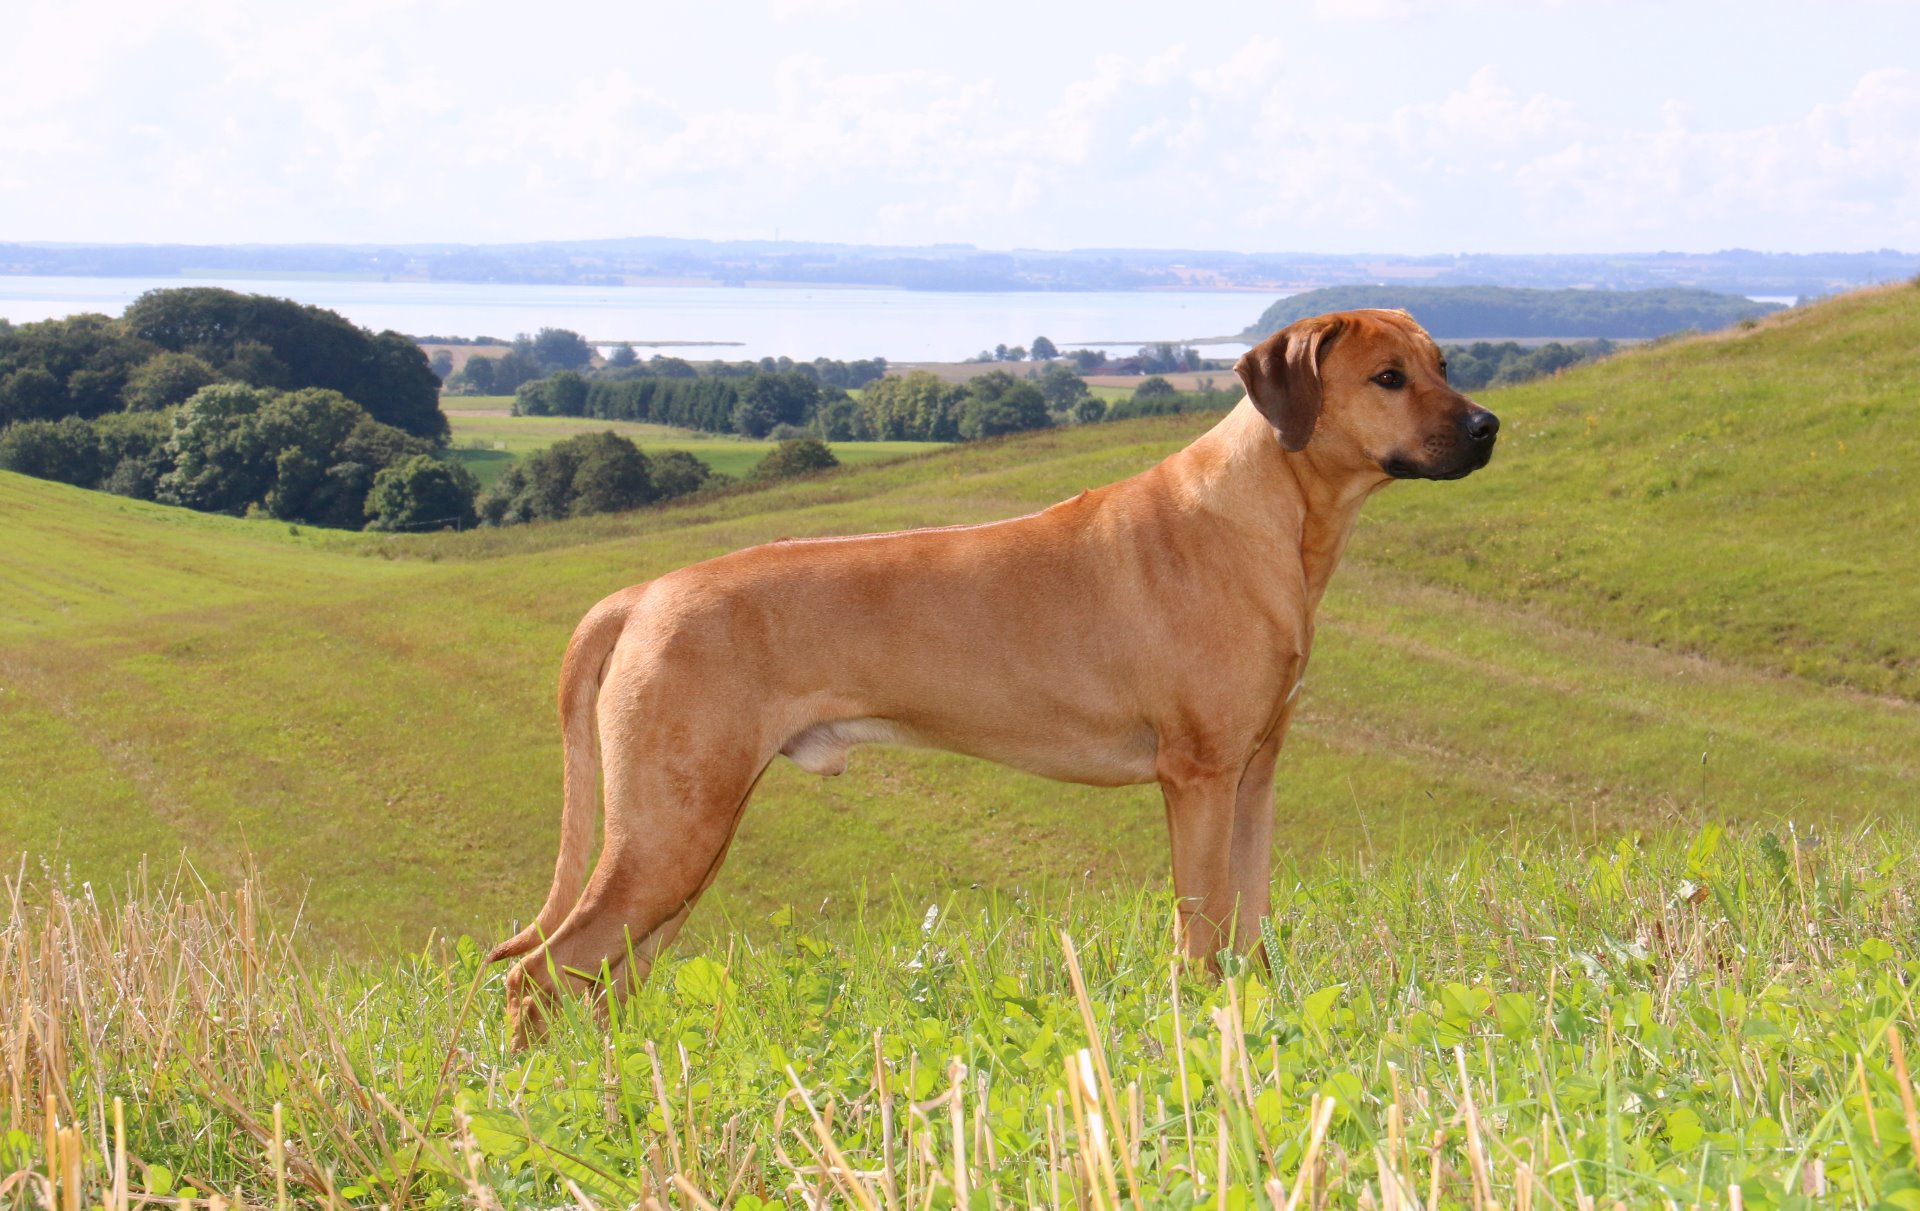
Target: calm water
[(803, 323)]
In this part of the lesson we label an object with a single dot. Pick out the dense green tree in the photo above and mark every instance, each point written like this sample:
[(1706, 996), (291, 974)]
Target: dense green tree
[(1044, 350), (1063, 389), (913, 407), (166, 380), (65, 450), (1154, 387), (840, 418), (798, 457), (698, 403), (478, 375), (31, 393), (216, 465), (441, 363), (88, 357), (1486, 363), (672, 367), (512, 368), (133, 452), (561, 349), (561, 394), (767, 400), (303, 432), (385, 373), (622, 357), (255, 364), (422, 493), (1089, 409), (309, 455), (999, 403)]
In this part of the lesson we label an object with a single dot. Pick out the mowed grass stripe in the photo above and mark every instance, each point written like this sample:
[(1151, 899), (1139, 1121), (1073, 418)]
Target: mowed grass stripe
[(76, 559)]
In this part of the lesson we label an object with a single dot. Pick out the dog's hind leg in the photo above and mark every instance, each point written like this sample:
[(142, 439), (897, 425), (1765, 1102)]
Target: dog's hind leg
[(1252, 860), (668, 828)]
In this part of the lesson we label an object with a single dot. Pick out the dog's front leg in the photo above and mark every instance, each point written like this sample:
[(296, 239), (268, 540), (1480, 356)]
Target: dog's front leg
[(1200, 820)]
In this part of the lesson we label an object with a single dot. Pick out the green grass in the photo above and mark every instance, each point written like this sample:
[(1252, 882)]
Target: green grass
[(488, 444), (503, 404), (1516, 961), (1691, 1020), (1672, 597)]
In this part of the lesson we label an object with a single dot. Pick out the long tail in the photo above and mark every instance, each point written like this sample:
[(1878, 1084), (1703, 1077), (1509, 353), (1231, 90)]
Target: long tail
[(580, 676)]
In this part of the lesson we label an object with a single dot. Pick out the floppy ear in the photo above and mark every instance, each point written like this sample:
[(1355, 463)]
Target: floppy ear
[(1282, 376)]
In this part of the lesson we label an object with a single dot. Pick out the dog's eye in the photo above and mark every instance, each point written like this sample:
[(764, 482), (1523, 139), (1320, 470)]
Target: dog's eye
[(1443, 368), (1392, 380)]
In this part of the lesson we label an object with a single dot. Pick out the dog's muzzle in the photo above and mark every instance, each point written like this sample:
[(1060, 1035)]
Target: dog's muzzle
[(1471, 451)]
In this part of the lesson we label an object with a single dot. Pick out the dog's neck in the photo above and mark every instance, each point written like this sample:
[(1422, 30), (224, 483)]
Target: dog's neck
[(1305, 499)]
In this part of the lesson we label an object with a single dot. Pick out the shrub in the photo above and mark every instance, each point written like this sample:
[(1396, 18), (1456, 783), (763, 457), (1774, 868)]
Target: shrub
[(422, 493), (1154, 387), (798, 457), (592, 473), (64, 450), (612, 475), (679, 473)]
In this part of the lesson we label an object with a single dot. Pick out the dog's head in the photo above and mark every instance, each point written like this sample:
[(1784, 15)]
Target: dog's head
[(1369, 390)]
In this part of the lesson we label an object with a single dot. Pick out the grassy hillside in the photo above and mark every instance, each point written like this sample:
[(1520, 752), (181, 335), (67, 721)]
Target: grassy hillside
[(1701, 548)]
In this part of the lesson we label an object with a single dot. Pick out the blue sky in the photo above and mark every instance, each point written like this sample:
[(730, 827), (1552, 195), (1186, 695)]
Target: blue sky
[(1304, 125)]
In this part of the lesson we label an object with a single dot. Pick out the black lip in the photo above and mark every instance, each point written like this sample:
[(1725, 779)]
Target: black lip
[(1402, 468)]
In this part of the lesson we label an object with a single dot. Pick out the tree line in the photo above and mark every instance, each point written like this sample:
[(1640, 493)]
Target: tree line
[(553, 350), (232, 403), (914, 407)]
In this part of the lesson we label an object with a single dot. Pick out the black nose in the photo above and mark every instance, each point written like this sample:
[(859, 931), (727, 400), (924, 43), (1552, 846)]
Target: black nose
[(1482, 425)]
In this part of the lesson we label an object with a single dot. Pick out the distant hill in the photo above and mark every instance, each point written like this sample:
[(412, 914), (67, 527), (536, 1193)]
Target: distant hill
[(964, 267), (1488, 312)]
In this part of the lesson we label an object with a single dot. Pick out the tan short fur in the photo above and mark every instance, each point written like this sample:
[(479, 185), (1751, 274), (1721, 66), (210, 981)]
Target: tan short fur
[(1154, 630)]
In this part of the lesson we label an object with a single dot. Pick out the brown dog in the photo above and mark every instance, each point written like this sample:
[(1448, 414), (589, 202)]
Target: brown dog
[(1154, 630)]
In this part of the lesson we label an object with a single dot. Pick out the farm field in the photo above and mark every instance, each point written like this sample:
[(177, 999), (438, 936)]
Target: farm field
[(1697, 548), (488, 444)]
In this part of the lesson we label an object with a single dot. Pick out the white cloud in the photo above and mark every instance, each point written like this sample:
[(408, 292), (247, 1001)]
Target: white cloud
[(1004, 126)]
